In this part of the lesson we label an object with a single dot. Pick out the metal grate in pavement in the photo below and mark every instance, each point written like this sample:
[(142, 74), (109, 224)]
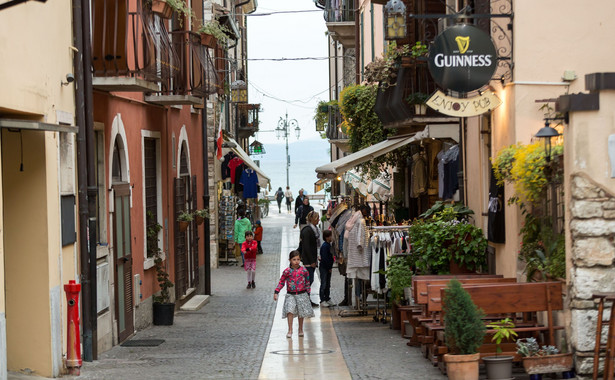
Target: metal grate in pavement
[(142, 343)]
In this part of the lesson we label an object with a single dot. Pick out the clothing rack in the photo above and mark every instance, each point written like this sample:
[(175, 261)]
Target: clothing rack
[(382, 314), (360, 304)]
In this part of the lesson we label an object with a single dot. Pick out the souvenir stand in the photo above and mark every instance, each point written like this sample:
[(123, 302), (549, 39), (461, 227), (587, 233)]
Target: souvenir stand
[(226, 212), (241, 179)]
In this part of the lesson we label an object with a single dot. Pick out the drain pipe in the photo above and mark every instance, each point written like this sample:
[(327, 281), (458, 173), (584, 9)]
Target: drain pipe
[(206, 240), (86, 285), (91, 164)]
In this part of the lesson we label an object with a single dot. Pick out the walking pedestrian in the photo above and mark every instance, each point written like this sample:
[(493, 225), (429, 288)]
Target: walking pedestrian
[(299, 200), (302, 212), (258, 236), (279, 195), (309, 242), (325, 267), (249, 249), (297, 301), (289, 198), (242, 224)]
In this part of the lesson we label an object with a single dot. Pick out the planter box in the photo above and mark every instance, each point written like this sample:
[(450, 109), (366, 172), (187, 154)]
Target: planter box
[(548, 364), (162, 8), (208, 40)]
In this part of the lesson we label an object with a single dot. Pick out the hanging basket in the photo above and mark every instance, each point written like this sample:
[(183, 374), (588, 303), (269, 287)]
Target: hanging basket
[(199, 220), (183, 226), (162, 8)]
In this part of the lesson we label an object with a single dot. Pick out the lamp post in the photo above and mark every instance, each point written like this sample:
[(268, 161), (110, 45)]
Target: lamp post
[(282, 131), (546, 133)]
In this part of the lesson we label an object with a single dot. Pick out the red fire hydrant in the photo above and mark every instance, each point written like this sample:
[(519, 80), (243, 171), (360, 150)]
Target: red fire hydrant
[(73, 342)]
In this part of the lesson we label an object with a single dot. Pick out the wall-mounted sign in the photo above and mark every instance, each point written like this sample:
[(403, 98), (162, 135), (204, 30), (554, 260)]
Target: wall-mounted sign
[(465, 107), (462, 58)]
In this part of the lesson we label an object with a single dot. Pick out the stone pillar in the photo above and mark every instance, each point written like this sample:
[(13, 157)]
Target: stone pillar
[(592, 227)]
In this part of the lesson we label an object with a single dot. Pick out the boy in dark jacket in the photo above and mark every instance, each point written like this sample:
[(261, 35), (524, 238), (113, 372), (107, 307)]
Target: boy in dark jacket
[(326, 264)]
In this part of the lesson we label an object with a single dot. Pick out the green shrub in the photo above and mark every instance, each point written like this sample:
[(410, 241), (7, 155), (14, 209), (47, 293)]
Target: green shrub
[(463, 326)]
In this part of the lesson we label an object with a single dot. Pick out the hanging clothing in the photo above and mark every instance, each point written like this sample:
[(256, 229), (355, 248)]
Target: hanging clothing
[(249, 180), (440, 174), (225, 169), (451, 167), (233, 164), (418, 176), (357, 241), (496, 222)]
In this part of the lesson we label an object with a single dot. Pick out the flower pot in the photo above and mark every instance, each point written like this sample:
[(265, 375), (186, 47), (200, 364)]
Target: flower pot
[(462, 367), (208, 40), (199, 219), (498, 367), (163, 314), (547, 364), (420, 109), (406, 61), (183, 225), (162, 8)]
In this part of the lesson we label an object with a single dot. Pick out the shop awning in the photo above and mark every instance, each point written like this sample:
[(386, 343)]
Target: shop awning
[(436, 131), (263, 180), (336, 167), (37, 126), (320, 184)]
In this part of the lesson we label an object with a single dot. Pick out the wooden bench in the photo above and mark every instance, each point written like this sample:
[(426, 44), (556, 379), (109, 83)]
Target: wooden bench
[(419, 314), (512, 299), (429, 326)]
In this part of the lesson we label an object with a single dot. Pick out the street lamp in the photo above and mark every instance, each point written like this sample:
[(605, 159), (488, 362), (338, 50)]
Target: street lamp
[(395, 15), (546, 133), (282, 131)]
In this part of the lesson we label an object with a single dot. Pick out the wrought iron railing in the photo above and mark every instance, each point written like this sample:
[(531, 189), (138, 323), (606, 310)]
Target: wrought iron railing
[(132, 44), (339, 11), (334, 131)]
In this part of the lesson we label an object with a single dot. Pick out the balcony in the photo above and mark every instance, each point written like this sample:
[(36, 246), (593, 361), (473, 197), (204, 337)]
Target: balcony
[(129, 48), (339, 18), (392, 105), (196, 76), (334, 132), (247, 119)]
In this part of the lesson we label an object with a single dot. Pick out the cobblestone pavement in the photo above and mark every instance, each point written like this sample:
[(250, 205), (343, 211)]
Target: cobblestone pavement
[(226, 339)]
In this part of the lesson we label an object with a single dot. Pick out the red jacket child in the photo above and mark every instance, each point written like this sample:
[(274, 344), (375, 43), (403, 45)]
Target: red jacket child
[(249, 249)]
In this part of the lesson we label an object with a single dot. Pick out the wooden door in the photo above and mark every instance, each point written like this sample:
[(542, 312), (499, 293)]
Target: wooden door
[(181, 250), (123, 261)]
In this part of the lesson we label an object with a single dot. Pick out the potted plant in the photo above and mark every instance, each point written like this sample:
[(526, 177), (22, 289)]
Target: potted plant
[(464, 332), (184, 218), (153, 228), (546, 359), (201, 215), (444, 241), (499, 367), (215, 30), (418, 99), (163, 307), (399, 276)]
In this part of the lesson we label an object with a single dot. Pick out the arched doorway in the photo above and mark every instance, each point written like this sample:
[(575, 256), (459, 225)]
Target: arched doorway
[(186, 242), (122, 238)]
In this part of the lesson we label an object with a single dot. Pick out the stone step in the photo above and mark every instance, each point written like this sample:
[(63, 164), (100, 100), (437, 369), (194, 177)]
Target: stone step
[(195, 303)]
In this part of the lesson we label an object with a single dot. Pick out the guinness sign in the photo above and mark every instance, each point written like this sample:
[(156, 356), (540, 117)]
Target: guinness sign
[(462, 58)]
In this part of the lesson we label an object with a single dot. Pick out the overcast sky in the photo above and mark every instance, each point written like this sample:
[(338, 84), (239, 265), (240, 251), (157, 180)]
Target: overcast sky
[(288, 86)]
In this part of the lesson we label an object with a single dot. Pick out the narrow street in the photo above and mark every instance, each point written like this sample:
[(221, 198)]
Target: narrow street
[(240, 334)]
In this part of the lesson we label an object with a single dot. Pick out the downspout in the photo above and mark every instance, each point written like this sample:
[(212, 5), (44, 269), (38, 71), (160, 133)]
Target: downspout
[(206, 232), (80, 119), (357, 42), (91, 175)]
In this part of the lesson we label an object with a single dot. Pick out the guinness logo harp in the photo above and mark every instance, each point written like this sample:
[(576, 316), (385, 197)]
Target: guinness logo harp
[(463, 43)]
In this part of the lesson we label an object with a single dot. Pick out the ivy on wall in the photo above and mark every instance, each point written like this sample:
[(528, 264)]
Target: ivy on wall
[(364, 128)]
